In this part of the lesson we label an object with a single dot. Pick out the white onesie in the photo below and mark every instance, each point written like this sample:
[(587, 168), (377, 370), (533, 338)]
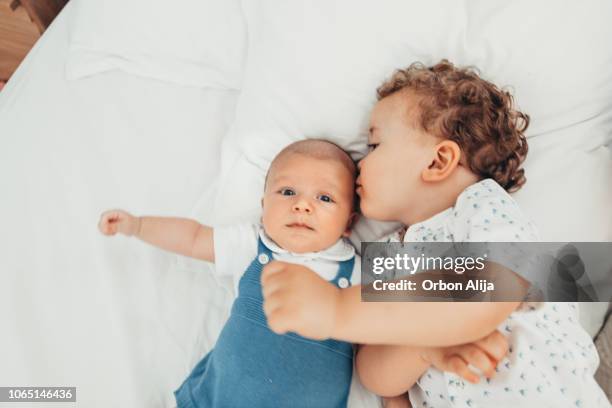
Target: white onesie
[(552, 359)]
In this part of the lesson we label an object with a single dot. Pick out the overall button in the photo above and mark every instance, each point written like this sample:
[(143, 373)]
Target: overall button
[(343, 283), (263, 259)]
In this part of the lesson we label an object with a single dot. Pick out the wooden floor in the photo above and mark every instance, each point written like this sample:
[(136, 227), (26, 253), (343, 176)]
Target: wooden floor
[(17, 35)]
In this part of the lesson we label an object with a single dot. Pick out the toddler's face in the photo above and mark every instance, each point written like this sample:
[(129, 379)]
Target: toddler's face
[(308, 203), (390, 175)]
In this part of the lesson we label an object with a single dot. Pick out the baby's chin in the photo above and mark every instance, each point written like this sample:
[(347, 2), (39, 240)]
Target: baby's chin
[(303, 246), (298, 243)]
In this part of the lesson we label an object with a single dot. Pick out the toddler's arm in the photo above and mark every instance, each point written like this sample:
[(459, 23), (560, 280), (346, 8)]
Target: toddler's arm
[(298, 300), (391, 370), (180, 235)]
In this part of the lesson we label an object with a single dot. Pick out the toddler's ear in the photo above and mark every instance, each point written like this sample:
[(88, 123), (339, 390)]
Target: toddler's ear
[(349, 225), (446, 159)]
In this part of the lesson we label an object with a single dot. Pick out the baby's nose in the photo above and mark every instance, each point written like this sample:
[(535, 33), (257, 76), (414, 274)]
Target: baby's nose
[(302, 206)]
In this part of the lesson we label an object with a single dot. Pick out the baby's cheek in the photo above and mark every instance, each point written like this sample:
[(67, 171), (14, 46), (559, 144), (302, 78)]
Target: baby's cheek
[(268, 223), (338, 223)]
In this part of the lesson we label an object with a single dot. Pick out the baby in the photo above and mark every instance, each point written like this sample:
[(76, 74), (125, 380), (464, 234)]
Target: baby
[(446, 147), (308, 209)]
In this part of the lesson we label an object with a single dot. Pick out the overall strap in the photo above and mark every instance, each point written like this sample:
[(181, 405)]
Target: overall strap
[(250, 298), (263, 250), (345, 272)]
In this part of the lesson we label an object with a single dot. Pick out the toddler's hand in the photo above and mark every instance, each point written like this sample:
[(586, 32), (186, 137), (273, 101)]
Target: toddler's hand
[(298, 300), (114, 221), (483, 355)]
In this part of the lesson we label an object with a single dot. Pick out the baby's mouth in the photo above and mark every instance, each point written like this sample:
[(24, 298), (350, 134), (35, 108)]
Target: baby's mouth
[(300, 225)]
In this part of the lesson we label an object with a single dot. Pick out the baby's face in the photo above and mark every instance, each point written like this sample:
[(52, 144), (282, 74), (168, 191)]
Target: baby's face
[(308, 203)]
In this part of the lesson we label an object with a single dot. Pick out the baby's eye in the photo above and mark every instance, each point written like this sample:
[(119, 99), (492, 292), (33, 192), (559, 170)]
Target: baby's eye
[(372, 146), (287, 192), (325, 198)]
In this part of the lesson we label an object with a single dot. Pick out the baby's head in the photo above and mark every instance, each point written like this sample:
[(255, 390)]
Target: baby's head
[(309, 196), (433, 132)]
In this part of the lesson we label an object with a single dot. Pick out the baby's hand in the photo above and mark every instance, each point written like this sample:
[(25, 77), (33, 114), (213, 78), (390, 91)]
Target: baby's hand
[(114, 221), (483, 355)]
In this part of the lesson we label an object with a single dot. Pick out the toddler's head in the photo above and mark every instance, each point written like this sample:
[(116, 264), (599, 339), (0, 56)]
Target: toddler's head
[(433, 132), (309, 196)]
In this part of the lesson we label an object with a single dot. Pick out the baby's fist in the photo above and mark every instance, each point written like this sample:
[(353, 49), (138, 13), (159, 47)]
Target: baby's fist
[(114, 221)]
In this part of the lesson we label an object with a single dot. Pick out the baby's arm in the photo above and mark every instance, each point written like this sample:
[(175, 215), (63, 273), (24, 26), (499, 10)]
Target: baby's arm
[(180, 235)]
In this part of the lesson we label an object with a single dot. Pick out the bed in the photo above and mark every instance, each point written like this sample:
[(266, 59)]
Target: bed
[(119, 320), (109, 318)]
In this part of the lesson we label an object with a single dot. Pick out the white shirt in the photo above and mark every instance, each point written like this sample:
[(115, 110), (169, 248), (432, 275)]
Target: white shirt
[(483, 212), (552, 359), (236, 247)]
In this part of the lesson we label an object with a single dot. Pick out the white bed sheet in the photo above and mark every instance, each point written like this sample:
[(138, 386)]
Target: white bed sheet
[(119, 320)]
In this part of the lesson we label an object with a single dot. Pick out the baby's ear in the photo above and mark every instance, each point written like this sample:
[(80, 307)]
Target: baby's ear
[(445, 160), (351, 222)]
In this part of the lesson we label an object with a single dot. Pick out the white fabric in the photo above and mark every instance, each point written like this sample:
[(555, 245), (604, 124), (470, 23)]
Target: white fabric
[(483, 212), (116, 318), (592, 316), (236, 247), (552, 359), (552, 363), (189, 42), (329, 57)]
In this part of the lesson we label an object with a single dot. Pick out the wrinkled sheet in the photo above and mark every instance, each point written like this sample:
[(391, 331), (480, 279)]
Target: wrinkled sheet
[(118, 319)]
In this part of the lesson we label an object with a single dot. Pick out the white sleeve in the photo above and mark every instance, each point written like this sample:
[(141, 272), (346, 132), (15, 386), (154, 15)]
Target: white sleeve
[(497, 218), (491, 218), (235, 248)]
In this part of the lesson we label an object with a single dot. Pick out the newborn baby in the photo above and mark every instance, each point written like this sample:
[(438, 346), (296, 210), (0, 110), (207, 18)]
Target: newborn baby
[(308, 208)]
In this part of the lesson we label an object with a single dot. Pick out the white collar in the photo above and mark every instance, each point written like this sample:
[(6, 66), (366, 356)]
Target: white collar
[(340, 251)]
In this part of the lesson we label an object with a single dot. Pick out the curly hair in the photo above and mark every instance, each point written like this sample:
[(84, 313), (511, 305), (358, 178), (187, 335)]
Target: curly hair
[(457, 104)]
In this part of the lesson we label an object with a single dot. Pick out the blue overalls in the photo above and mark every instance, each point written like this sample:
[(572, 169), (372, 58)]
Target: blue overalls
[(251, 366)]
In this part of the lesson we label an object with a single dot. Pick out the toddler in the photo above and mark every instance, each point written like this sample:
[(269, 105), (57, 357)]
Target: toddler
[(308, 208), (446, 146)]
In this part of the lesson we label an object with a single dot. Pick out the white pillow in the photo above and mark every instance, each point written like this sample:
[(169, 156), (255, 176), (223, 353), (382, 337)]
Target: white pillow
[(312, 71), (313, 68), (189, 42)]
